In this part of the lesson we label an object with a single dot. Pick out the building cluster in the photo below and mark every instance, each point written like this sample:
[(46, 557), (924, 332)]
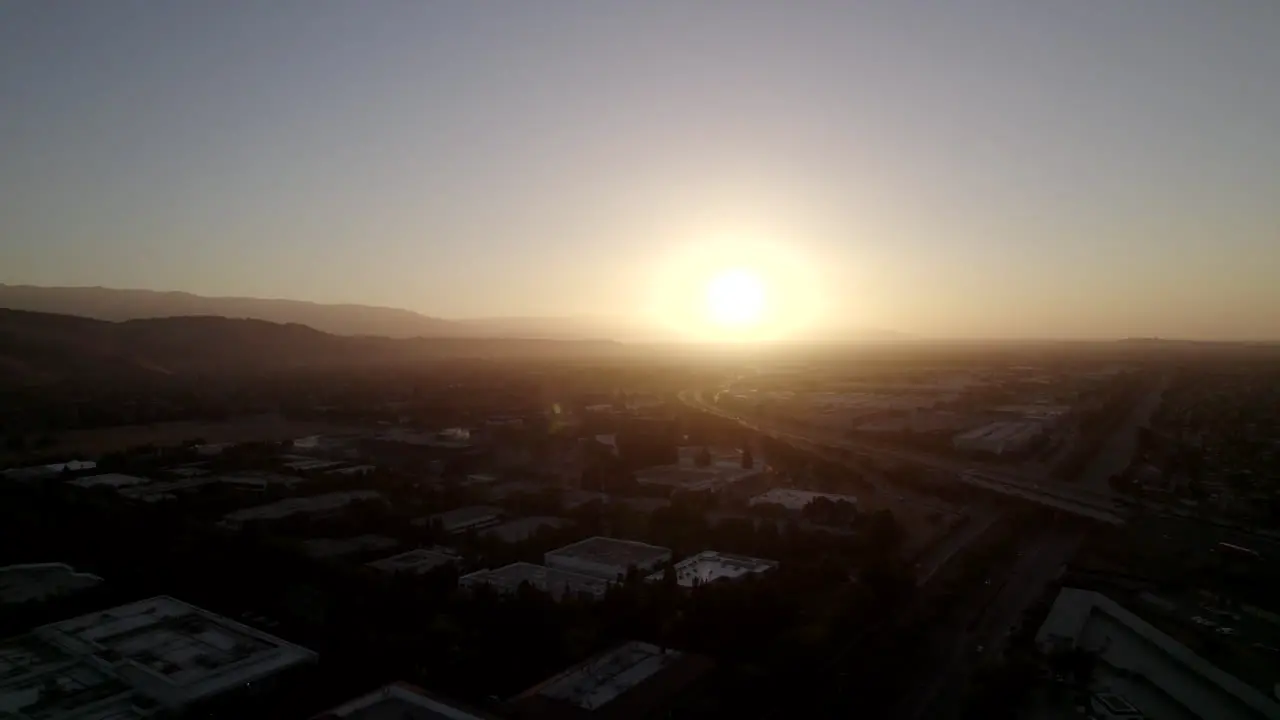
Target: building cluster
[(589, 567), (1141, 671), (149, 657)]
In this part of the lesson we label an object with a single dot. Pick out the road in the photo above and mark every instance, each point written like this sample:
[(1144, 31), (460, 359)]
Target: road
[(1087, 502), (1116, 454), (982, 633)]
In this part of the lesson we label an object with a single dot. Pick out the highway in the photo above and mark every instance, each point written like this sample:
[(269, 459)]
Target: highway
[(982, 632), (1094, 504)]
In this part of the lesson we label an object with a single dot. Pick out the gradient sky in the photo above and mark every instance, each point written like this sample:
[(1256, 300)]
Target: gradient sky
[(989, 168)]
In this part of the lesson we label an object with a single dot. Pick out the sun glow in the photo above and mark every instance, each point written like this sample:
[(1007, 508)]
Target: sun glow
[(735, 299), (735, 290)]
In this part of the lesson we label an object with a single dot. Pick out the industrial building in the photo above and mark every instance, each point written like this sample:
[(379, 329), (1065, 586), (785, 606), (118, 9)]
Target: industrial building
[(797, 499), (36, 582), (1142, 668), (608, 558), (110, 480), (475, 517), (133, 660), (415, 562), (635, 680), (711, 566), (555, 582), (314, 505), (321, 548), (400, 701), (524, 528)]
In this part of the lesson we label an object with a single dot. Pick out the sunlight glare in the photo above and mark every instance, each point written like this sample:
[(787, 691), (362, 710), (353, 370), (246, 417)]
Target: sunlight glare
[(735, 298)]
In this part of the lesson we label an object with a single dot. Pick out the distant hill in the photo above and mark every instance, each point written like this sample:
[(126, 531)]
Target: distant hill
[(117, 305), (120, 305), (40, 348)]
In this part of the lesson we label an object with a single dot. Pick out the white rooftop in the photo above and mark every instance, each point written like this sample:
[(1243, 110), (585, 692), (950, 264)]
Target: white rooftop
[(165, 649), (415, 561), (710, 566), (38, 581), (612, 551), (400, 701), (606, 677), (1160, 676), (114, 480)]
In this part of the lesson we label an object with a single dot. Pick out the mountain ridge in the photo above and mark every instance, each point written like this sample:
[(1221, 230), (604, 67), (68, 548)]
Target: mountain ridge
[(115, 305)]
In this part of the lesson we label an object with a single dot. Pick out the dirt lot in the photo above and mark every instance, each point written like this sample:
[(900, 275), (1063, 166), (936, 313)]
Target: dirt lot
[(270, 428)]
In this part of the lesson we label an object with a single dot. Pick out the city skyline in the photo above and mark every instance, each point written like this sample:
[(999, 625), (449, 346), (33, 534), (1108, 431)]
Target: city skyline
[(988, 169)]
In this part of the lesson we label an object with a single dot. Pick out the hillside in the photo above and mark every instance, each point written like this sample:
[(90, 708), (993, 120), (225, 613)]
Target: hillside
[(41, 348), (118, 305)]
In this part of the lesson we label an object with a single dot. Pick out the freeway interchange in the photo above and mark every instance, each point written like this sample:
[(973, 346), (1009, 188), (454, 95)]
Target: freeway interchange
[(1090, 503)]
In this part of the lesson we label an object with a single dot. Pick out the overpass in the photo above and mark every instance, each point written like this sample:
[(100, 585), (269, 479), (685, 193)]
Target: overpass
[(1093, 504)]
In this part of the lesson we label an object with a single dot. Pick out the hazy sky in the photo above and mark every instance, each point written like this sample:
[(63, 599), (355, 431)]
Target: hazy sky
[(990, 168)]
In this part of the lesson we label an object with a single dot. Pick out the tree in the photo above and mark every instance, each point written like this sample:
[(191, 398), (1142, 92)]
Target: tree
[(703, 458)]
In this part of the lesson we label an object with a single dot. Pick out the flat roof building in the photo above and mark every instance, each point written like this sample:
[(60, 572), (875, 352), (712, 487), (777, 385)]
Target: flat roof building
[(164, 650), (711, 566), (35, 582), (797, 499), (634, 680), (40, 472), (474, 517), (415, 562), (1141, 667), (523, 528), (260, 479), (158, 491), (555, 582), (314, 505), (608, 558), (400, 701), (341, 547), (111, 480)]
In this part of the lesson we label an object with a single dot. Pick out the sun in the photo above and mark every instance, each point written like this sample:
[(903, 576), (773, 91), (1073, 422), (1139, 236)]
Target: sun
[(735, 299)]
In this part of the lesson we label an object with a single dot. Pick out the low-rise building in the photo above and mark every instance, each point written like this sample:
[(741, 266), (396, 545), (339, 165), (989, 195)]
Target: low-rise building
[(635, 680), (260, 479), (475, 517), (36, 582), (314, 505), (342, 547), (313, 464), (44, 472), (524, 528), (416, 562), (1141, 667), (132, 660), (608, 558), (797, 499), (555, 582), (159, 491), (401, 701), (711, 566), (115, 481)]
